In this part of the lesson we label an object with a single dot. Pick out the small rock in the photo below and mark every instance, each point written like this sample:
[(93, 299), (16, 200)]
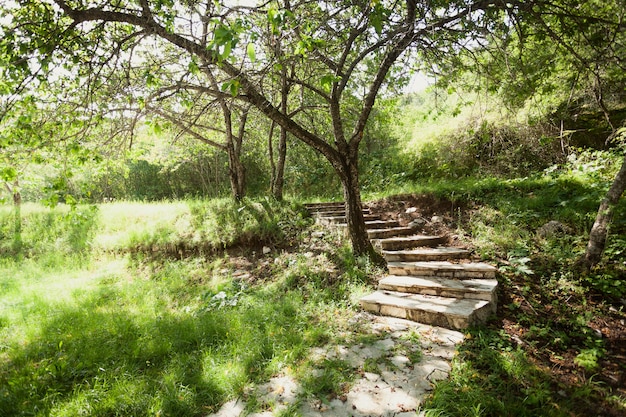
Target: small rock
[(411, 210), (417, 223), (266, 250), (372, 377), (553, 228), (318, 235), (436, 219)]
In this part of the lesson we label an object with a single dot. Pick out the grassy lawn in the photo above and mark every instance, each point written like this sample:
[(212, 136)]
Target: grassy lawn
[(115, 331)]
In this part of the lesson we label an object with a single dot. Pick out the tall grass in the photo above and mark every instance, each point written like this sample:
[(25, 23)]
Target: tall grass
[(40, 230)]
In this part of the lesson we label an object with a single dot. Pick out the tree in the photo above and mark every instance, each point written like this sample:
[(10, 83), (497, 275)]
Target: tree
[(342, 53), (569, 55), (198, 117)]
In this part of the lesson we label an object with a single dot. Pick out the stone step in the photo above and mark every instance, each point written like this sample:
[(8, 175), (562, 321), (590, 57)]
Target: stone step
[(336, 212), (321, 207), (443, 269), (375, 225), (474, 289), (325, 204), (390, 232), (335, 220), (424, 254), (446, 312), (381, 224), (407, 242)]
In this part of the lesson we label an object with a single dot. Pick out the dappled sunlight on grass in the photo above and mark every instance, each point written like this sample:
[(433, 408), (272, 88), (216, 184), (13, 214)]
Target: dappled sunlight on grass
[(172, 337)]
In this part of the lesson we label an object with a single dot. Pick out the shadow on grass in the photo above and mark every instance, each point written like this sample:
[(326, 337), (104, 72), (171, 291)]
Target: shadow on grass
[(103, 355)]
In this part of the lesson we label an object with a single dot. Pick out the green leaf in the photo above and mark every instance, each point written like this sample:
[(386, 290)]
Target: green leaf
[(251, 52), (193, 67), (378, 15), (8, 174), (231, 86), (226, 50), (328, 80)]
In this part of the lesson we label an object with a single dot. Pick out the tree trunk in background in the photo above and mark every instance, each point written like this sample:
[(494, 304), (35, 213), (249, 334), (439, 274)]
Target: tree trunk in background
[(278, 178), (17, 213), (237, 174), (234, 144), (599, 231), (278, 181)]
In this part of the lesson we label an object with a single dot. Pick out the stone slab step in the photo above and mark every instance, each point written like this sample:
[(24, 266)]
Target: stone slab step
[(474, 289), (334, 213), (381, 224), (324, 204), (451, 313), (324, 207), (376, 224), (407, 242), (390, 232), (335, 220), (443, 269), (425, 254)]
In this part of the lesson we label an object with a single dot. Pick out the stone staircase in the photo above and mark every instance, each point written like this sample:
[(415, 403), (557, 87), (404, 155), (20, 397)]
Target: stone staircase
[(428, 282)]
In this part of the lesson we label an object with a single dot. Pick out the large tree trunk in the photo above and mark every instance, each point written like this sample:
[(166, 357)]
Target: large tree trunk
[(599, 231), (361, 245)]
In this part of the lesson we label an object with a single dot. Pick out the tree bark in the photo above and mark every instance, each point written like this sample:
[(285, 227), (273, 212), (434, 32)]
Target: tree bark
[(279, 175), (599, 231), (236, 174), (361, 245)]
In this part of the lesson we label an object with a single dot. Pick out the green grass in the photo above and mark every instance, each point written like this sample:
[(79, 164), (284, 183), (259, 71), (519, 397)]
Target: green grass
[(136, 342), (135, 309), (107, 332), (492, 377)]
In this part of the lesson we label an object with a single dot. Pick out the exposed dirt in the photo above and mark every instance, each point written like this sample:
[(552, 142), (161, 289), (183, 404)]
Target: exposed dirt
[(429, 215)]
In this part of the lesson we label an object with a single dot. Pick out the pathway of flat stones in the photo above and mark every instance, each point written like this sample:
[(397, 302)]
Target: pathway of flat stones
[(397, 389)]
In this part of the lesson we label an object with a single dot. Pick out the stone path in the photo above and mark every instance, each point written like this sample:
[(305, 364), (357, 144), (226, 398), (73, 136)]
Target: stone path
[(396, 388)]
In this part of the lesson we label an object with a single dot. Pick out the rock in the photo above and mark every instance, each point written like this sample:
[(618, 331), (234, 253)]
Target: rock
[(266, 250), (436, 219), (411, 210), (553, 228), (417, 223), (372, 377), (318, 235), (232, 408)]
